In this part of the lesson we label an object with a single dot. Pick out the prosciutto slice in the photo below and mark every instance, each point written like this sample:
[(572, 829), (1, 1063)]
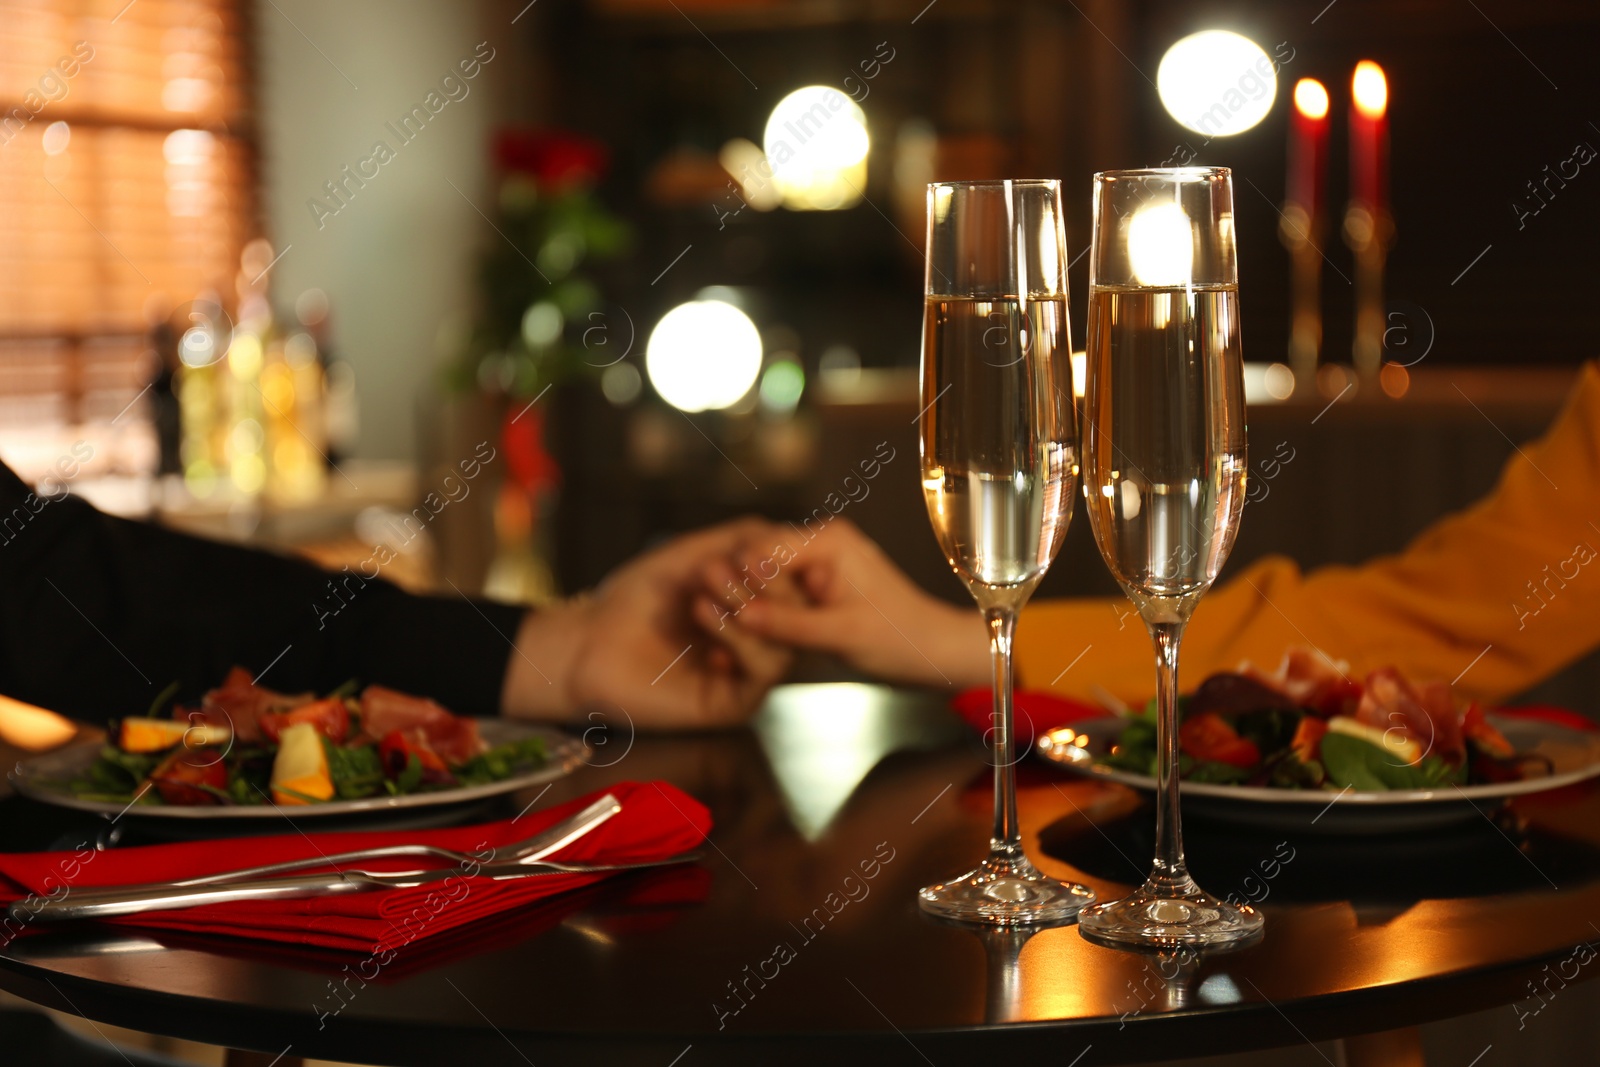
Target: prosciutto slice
[(1426, 714), (453, 737), (238, 703), (1309, 680)]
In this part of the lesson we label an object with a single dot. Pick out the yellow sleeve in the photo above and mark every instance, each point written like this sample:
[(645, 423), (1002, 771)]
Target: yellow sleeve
[(1497, 597)]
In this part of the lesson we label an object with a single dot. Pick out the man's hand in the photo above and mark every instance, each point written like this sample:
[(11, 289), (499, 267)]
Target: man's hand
[(840, 593), (646, 644)]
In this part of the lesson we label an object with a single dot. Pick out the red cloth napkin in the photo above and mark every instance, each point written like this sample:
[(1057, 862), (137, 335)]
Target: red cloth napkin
[(1036, 713), (657, 820), (649, 900)]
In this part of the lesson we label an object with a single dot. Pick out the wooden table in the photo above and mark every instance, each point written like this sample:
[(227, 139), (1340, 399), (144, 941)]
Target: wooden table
[(801, 943)]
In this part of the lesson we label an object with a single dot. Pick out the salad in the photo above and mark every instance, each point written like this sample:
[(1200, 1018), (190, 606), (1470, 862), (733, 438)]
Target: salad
[(246, 744), (1311, 726)]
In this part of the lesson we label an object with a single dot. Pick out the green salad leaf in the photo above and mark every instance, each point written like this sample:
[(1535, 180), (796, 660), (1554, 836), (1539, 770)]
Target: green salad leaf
[(250, 774), (1291, 772), (344, 689), (407, 780), (1352, 763), (1272, 729), (1355, 763), (1135, 750), (502, 761), (116, 775), (356, 772), (1216, 772)]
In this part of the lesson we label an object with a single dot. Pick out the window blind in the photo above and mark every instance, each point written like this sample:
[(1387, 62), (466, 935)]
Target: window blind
[(126, 189)]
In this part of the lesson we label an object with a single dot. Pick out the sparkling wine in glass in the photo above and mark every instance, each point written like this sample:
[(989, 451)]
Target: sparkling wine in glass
[(999, 470), (1164, 474)]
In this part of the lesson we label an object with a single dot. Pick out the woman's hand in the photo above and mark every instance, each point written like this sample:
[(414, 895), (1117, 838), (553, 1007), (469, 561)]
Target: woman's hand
[(838, 592)]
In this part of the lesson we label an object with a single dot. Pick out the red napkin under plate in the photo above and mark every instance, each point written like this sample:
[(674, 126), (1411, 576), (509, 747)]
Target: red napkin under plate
[(657, 820), (1033, 713)]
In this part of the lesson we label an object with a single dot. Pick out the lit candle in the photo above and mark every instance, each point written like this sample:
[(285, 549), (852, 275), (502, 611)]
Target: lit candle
[(1301, 228), (1308, 146), (1368, 228), (1369, 136)]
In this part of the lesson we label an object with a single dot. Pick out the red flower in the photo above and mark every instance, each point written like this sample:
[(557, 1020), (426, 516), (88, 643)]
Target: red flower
[(532, 467), (552, 158)]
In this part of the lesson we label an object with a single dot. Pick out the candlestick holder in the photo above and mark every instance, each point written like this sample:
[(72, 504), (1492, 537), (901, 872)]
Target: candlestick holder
[(1368, 233), (1300, 231)]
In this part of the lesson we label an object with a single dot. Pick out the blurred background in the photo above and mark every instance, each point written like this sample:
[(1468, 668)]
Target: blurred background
[(493, 295)]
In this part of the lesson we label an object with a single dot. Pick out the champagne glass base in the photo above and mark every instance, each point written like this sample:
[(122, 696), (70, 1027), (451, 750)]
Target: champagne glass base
[(1006, 891), (1181, 916)]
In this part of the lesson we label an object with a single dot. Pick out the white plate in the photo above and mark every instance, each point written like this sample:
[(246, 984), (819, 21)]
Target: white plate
[(40, 778), (1574, 755)]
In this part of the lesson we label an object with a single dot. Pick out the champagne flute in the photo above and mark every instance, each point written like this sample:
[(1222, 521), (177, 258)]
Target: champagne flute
[(1164, 461), (999, 470)]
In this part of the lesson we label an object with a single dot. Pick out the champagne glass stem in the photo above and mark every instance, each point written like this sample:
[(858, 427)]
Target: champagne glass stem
[(1168, 875), (1007, 836), (1169, 911)]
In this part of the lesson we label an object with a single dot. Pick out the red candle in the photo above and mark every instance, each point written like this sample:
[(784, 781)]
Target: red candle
[(1369, 136), (1308, 146)]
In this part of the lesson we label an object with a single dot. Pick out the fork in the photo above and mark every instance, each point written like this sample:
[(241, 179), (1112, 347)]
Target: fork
[(119, 901), (536, 847)]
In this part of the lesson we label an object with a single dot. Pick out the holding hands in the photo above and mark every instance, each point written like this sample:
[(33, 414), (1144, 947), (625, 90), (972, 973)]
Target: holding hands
[(644, 643), (692, 634), (832, 589)]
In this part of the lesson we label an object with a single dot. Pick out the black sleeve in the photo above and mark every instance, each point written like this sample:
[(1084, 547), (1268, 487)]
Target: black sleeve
[(99, 614)]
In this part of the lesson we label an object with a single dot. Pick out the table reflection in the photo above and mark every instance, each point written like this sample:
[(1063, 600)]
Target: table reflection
[(822, 740)]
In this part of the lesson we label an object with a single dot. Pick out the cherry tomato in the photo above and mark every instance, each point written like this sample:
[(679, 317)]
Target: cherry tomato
[(397, 748), (1307, 743), (1210, 737), (1481, 732), (178, 777), (330, 717)]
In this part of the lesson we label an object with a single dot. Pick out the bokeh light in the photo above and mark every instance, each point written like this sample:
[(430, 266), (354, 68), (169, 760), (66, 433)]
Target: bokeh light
[(1161, 245), (620, 383), (1395, 380), (747, 165), (57, 136), (816, 145), (704, 355), (781, 386), (1278, 381), (541, 325), (1217, 82)]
